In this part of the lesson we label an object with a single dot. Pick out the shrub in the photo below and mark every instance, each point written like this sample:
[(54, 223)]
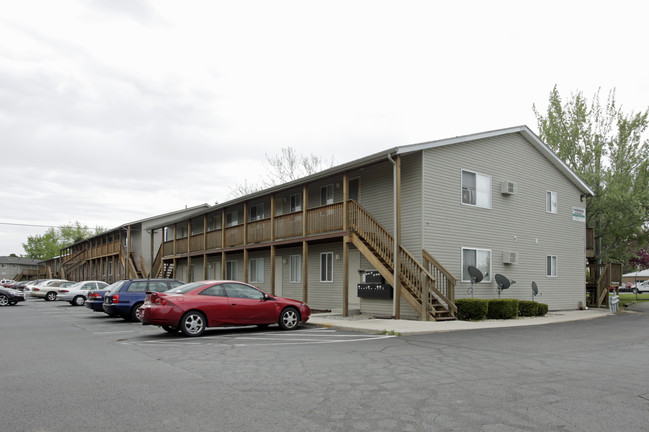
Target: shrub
[(502, 309), (543, 309), (527, 308), (471, 309)]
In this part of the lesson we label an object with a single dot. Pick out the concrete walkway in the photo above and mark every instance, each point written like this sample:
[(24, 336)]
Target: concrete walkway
[(409, 327)]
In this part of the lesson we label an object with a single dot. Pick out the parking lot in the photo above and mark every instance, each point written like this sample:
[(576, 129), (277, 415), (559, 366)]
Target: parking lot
[(67, 368)]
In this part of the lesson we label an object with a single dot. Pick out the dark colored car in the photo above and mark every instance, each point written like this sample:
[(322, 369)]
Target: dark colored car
[(9, 296), (193, 307), (125, 299), (95, 300)]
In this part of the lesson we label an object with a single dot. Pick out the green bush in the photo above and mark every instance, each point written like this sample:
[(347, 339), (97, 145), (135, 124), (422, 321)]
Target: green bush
[(471, 309), (502, 309), (527, 308), (543, 309)]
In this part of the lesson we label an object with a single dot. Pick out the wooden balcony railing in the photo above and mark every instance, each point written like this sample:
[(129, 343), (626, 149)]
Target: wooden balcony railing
[(196, 242), (325, 219), (288, 226), (258, 231)]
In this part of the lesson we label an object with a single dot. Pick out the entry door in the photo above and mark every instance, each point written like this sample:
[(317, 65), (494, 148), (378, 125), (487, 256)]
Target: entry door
[(355, 189)]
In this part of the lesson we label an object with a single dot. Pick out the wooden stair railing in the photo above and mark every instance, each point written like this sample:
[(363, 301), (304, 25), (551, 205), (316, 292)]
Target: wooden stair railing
[(419, 286), (603, 284), (156, 266)]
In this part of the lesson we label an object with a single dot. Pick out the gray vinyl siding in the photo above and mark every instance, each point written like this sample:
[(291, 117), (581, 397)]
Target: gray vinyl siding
[(325, 295), (290, 289), (517, 223)]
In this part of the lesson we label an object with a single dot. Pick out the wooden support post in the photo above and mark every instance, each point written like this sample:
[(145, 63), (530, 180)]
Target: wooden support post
[(305, 271), (345, 247), (397, 258), (425, 292), (272, 269)]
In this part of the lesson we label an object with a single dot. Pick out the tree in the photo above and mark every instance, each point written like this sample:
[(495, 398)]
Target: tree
[(48, 245), (282, 168), (604, 146)]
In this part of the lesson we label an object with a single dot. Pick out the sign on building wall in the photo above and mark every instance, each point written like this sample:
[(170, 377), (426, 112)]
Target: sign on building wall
[(579, 214)]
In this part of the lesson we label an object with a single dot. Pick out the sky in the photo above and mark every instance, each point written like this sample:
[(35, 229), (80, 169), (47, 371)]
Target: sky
[(112, 111)]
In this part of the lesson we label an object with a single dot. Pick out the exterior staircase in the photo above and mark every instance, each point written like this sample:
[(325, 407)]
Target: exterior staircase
[(428, 288)]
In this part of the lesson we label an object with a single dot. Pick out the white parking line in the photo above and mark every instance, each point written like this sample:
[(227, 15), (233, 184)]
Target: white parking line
[(310, 342), (113, 332)]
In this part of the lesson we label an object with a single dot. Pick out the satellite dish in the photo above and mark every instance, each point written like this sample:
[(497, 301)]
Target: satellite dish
[(535, 290), (503, 283), (476, 277)]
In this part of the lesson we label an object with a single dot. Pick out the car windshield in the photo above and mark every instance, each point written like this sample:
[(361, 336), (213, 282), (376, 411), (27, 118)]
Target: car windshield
[(186, 288)]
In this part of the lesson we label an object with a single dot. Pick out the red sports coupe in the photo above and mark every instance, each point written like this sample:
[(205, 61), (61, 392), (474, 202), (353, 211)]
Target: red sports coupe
[(193, 307)]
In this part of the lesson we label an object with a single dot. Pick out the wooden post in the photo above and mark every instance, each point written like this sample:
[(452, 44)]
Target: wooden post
[(345, 248), (305, 271), (272, 246), (397, 258), (425, 292)]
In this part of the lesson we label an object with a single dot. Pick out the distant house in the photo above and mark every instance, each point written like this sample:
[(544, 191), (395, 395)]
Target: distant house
[(415, 217), (118, 253), (18, 268)]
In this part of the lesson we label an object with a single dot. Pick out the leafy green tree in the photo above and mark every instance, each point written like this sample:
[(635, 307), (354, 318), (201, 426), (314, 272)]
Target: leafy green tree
[(605, 147), (49, 245)]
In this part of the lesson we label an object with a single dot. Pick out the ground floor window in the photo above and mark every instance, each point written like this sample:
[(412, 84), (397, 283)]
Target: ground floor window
[(479, 258), (327, 267), (295, 268), (256, 270), (551, 266), (231, 270)]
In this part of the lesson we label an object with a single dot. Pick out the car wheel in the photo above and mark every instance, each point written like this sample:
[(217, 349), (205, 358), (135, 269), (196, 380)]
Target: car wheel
[(4, 300), (289, 319), (50, 296), (170, 329), (193, 323), (78, 301), (133, 316), (635, 291)]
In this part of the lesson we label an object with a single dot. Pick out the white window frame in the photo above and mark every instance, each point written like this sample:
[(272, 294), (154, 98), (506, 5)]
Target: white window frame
[(327, 194), (551, 262), (327, 270), (485, 271), (232, 270), (295, 268), (256, 212), (256, 270), (479, 194), (551, 202), (295, 202)]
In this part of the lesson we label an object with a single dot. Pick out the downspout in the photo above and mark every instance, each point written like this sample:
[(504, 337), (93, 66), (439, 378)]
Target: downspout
[(396, 246)]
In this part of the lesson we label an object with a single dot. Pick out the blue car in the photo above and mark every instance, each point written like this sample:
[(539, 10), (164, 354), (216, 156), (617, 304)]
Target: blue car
[(95, 300), (125, 299)]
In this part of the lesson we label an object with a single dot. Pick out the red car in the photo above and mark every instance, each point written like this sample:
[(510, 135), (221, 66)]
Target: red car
[(193, 307)]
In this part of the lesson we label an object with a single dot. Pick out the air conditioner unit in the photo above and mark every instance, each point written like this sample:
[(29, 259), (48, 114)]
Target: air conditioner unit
[(510, 257), (507, 188)]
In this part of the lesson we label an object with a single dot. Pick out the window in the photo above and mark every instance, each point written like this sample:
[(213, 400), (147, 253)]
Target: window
[(327, 194), (213, 222), (256, 270), (327, 267), (214, 291), (551, 266), (296, 203), (182, 230), (295, 268), (257, 212), (232, 218), (551, 202), (476, 189), (110, 268), (231, 270), (355, 189), (243, 291), (479, 258), (197, 226), (139, 286)]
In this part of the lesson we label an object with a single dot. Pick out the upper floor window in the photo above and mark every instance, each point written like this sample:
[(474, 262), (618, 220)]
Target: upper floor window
[(551, 202), (257, 212), (296, 203), (181, 230), (232, 218), (213, 222), (476, 189), (327, 194)]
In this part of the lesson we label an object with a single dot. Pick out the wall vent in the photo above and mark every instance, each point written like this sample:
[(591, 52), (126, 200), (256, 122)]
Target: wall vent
[(510, 257), (507, 188)]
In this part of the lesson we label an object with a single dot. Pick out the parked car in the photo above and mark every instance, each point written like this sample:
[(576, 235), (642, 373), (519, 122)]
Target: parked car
[(641, 287), (7, 283), (77, 294), (20, 286), (95, 300), (193, 307), (10, 296), (29, 285), (127, 298), (49, 289)]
